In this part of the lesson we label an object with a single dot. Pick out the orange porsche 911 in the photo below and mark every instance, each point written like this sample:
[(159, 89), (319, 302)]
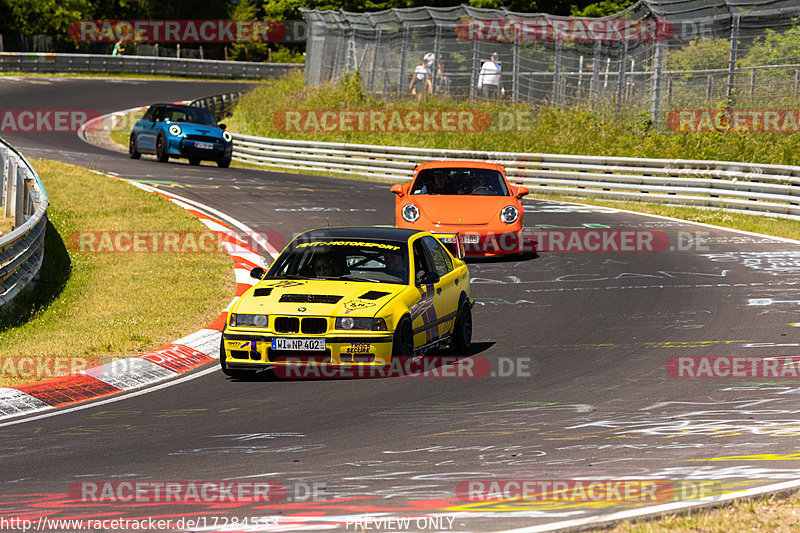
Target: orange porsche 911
[(472, 198)]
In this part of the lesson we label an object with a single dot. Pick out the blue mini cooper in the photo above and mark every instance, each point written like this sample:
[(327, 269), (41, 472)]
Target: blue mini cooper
[(173, 130)]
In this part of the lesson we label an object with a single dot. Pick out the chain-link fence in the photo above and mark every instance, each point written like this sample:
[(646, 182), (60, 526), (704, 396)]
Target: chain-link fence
[(656, 56)]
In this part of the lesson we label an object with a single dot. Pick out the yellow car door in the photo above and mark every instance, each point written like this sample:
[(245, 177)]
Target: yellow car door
[(446, 290), (433, 315)]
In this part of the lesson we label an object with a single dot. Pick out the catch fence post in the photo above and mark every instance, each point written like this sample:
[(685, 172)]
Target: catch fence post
[(19, 196), (3, 171), (557, 74), (621, 79), (11, 173), (655, 108), (732, 58)]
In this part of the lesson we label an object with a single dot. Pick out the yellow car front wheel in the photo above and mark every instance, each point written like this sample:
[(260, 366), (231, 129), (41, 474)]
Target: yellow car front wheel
[(403, 342), (234, 373)]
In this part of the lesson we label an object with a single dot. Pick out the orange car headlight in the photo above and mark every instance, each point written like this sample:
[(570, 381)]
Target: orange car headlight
[(410, 213), (509, 214)]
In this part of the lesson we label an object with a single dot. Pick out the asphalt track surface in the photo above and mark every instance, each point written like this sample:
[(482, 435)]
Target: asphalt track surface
[(577, 346)]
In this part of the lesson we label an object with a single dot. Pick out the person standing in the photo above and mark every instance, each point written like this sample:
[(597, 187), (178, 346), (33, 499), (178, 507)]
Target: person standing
[(429, 59), (118, 48), (420, 80), (489, 82)]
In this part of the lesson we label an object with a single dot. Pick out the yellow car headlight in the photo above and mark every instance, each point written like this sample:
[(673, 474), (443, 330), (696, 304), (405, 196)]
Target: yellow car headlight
[(257, 321), (369, 324)]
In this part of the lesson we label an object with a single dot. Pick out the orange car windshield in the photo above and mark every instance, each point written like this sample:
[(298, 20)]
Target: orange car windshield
[(460, 182)]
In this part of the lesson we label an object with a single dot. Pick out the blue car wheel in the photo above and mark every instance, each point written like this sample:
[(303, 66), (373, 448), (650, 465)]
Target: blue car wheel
[(161, 150), (133, 152)]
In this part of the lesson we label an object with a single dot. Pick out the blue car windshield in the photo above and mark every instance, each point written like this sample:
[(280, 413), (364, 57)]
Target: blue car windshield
[(351, 260), (193, 115)]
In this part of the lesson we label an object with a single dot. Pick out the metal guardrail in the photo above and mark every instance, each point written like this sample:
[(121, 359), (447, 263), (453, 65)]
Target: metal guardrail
[(718, 184), (25, 202), (220, 105), (170, 66)]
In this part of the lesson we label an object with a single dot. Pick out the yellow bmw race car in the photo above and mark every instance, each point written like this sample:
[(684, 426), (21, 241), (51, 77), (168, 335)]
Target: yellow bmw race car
[(350, 297)]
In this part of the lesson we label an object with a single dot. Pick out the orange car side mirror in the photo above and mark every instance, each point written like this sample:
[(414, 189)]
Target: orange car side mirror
[(522, 191), (397, 189)]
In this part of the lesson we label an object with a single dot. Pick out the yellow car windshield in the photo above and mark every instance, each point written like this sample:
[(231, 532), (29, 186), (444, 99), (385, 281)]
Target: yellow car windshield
[(352, 260)]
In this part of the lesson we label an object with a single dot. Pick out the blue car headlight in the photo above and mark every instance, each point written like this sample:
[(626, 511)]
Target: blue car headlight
[(175, 130), (227, 136)]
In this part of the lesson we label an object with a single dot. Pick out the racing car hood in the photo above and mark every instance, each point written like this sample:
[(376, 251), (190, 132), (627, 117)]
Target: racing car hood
[(191, 128), (317, 297), (466, 210)]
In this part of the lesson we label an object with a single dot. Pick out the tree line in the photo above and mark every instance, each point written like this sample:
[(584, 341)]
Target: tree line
[(53, 17)]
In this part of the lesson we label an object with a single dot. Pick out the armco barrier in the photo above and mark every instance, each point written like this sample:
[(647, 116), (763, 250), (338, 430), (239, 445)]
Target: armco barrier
[(168, 66), (220, 105), (719, 184), (25, 203)]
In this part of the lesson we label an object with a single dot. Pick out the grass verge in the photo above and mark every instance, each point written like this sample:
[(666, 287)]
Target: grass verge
[(121, 132), (764, 514), (6, 223), (105, 306)]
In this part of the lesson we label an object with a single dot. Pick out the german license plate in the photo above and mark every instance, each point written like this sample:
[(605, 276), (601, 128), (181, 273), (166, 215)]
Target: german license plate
[(204, 146), (314, 345), (466, 239)]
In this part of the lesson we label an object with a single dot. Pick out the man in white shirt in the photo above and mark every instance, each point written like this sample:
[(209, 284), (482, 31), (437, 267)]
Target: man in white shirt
[(489, 82)]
